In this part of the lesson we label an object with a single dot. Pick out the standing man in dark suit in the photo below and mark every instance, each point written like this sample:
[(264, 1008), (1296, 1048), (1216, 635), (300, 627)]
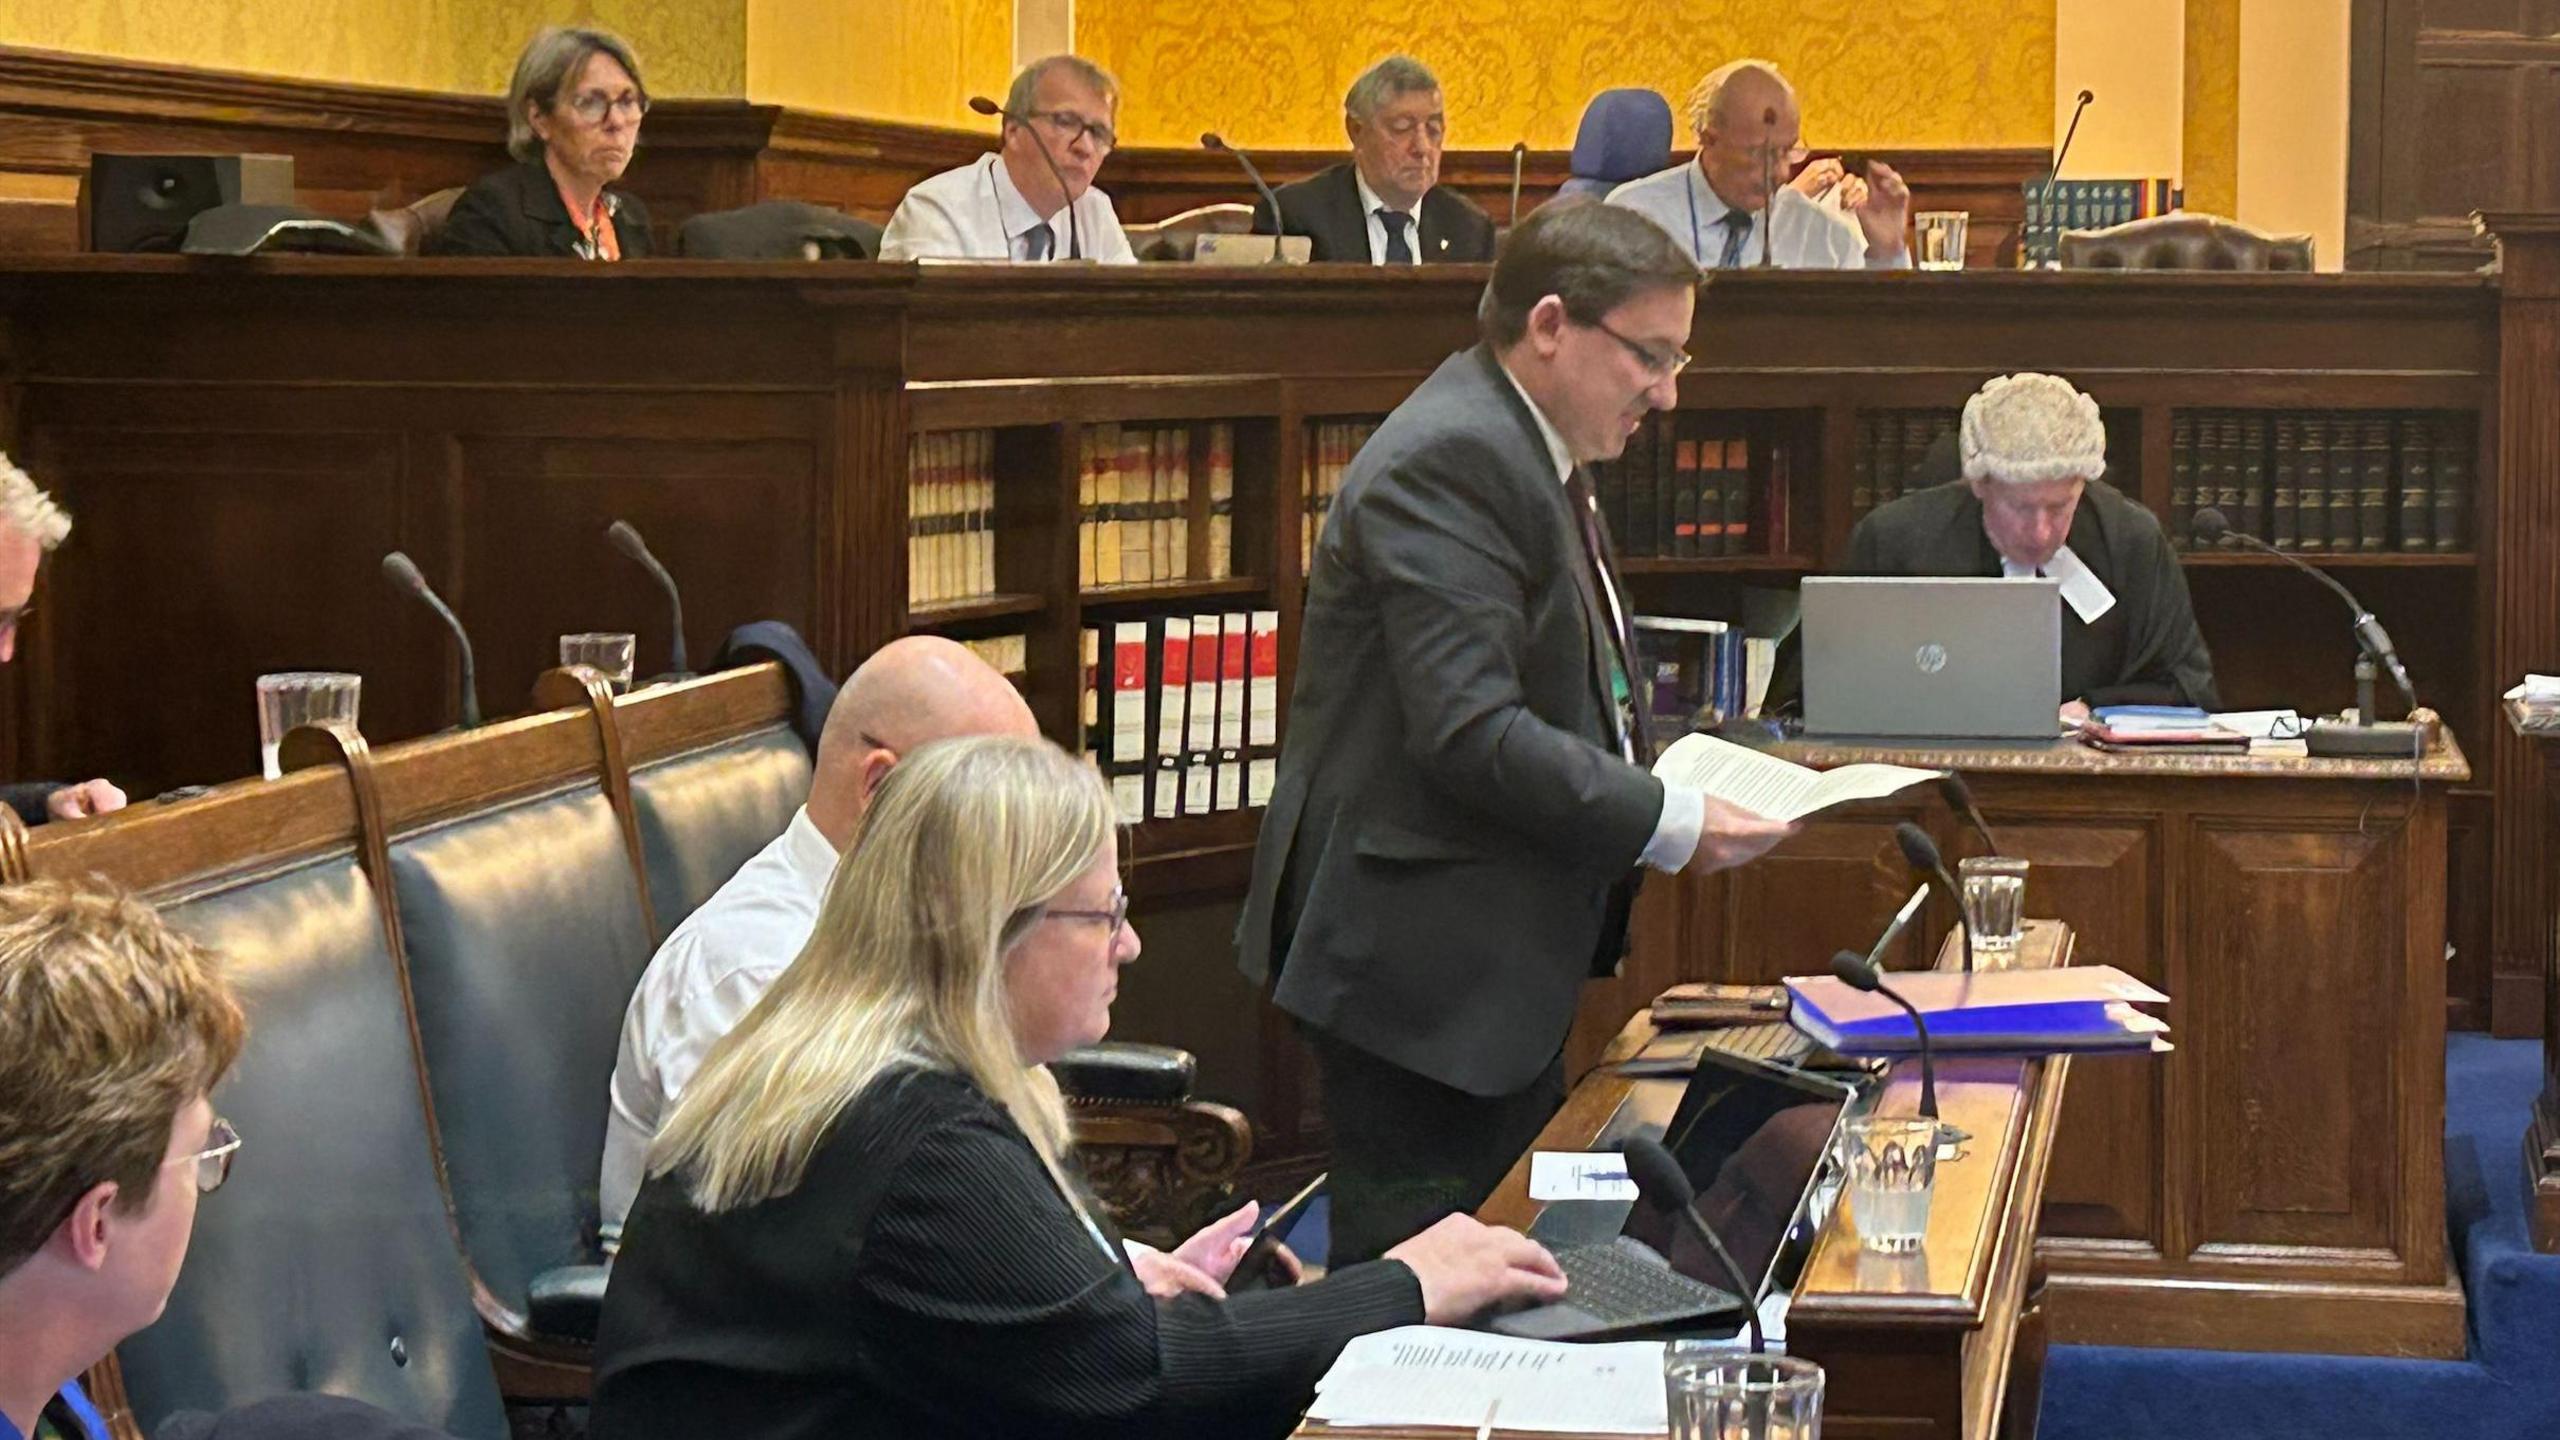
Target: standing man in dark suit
[(1385, 207), (1462, 800)]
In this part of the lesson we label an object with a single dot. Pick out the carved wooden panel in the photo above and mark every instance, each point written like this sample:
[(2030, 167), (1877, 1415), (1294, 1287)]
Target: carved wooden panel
[(2290, 937), (1832, 887), (2451, 111)]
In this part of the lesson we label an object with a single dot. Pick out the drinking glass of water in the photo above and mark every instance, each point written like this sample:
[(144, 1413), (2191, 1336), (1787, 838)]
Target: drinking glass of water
[(301, 697), (1995, 902), (606, 652), (1938, 238), (1719, 1394), (1891, 1168)]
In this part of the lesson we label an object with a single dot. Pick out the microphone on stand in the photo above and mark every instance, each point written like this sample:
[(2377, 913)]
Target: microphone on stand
[(1862, 974), (628, 541), (2045, 196), (985, 106), (2366, 736), (1921, 854), (1959, 798), (1210, 140), (1519, 162), (1661, 1181), (405, 577), (1768, 185)]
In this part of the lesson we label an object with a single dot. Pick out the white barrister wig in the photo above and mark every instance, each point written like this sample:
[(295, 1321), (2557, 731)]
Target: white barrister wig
[(28, 510), (2026, 428)]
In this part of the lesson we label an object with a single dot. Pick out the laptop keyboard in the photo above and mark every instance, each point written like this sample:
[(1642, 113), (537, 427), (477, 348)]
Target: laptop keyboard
[(1621, 1287)]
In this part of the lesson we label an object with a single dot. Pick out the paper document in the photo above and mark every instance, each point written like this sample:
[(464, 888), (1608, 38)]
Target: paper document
[(1572, 1175), (1777, 789), (1425, 1375), (2262, 724)]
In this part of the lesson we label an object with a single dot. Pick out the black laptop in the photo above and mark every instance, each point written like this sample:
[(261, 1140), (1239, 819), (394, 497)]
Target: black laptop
[(1751, 1137)]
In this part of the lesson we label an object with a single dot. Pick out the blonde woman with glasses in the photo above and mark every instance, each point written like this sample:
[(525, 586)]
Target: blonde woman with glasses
[(861, 1218), (573, 123)]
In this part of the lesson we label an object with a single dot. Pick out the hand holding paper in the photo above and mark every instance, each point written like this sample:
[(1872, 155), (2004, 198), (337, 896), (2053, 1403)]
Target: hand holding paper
[(1736, 778)]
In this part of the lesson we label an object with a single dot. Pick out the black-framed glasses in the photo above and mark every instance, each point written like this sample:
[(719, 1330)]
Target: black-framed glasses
[(1664, 363), (1069, 126), (1115, 917), (594, 105), (213, 1163)]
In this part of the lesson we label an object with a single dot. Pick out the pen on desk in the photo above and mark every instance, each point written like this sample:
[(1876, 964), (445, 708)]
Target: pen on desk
[(1485, 1430)]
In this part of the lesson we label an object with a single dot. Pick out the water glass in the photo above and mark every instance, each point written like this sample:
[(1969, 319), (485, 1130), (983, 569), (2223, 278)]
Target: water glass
[(1890, 1165), (301, 697), (1995, 902), (608, 653), (1719, 1394), (1938, 238)]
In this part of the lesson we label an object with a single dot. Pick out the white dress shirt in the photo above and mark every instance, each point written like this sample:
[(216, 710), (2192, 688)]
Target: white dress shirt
[(1684, 811), (2086, 594), (1809, 237), (1370, 205), (703, 980), (977, 213)]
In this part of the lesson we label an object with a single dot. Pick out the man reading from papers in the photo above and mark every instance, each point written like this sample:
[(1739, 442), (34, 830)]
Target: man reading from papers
[(1462, 801), (2030, 502), (1034, 198)]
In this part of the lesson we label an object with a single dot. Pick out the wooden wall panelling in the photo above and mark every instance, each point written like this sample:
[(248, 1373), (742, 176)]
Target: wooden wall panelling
[(2451, 111)]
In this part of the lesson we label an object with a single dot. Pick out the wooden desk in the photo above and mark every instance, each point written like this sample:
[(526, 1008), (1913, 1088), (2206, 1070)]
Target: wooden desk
[(1948, 1342), (2277, 1183)]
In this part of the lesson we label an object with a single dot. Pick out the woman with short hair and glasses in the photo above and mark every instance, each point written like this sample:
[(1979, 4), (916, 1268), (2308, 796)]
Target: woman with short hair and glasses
[(861, 1218), (573, 120)]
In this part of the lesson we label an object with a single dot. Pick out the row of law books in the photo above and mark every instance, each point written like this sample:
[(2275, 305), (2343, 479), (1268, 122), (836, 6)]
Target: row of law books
[(1182, 714), (2088, 205), (1890, 447), (1007, 655), (2326, 482), (1329, 452), (1134, 491), (1701, 674), (1697, 488), (951, 507)]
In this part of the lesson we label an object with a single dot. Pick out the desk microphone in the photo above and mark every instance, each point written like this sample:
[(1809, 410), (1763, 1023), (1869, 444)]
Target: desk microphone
[(1862, 974), (2365, 736), (404, 576), (2086, 98), (628, 541), (985, 106), (1921, 854), (1663, 1183), (1768, 186), (1210, 140), (1519, 162), (1959, 798)]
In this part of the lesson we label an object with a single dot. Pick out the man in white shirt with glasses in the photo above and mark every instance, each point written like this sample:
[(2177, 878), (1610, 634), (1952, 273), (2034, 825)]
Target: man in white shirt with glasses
[(1033, 199)]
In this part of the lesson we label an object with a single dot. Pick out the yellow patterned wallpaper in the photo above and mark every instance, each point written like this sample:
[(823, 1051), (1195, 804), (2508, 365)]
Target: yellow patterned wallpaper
[(911, 60), (1872, 72), (688, 47), (2211, 144)]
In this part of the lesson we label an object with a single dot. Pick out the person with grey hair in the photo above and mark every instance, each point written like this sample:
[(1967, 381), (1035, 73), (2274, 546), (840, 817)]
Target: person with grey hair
[(1463, 799), (573, 120), (2022, 493), (1032, 199), (1385, 206), (32, 526), (1731, 205)]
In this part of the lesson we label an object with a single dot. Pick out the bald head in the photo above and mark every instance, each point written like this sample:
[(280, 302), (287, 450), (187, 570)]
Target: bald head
[(909, 693), (1748, 129)]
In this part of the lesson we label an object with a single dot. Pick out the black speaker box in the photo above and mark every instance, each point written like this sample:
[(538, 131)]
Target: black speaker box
[(143, 202)]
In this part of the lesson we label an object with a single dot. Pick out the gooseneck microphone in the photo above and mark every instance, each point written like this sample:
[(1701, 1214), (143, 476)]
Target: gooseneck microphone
[(1663, 1183), (1959, 798), (405, 577), (985, 106), (1859, 973), (1519, 164), (1921, 854), (2086, 98), (2212, 528), (1210, 140), (628, 541), (1768, 186)]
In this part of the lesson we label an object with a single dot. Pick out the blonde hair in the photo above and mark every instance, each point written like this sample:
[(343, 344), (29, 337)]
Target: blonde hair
[(965, 844), (28, 510), (111, 1023), (551, 61), (1706, 102)]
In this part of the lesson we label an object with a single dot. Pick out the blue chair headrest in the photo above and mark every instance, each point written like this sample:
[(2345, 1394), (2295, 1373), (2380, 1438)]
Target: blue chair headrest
[(1625, 134)]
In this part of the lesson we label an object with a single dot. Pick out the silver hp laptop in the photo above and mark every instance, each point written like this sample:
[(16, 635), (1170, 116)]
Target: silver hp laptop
[(1912, 659)]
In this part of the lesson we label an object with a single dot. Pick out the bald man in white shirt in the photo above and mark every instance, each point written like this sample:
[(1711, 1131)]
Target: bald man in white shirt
[(1033, 200)]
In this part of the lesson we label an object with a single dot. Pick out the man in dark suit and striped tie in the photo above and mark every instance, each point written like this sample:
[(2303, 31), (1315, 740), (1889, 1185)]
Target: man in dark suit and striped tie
[(1462, 802), (1384, 206)]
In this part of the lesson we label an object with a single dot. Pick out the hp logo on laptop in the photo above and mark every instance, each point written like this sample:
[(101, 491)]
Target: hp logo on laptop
[(1931, 658)]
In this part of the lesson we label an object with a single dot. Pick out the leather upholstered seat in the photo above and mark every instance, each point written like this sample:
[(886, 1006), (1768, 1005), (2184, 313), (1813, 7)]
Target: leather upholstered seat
[(704, 814)]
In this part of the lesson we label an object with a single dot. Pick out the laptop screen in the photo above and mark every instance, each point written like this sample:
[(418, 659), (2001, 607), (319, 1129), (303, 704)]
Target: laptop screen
[(1751, 1140)]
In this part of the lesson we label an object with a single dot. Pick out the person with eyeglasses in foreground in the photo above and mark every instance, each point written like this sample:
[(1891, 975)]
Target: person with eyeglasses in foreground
[(1464, 798), (1032, 199), (863, 1219), (32, 527), (573, 121)]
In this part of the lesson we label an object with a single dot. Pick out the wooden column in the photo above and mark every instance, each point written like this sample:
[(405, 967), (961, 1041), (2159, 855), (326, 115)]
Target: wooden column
[(2523, 587)]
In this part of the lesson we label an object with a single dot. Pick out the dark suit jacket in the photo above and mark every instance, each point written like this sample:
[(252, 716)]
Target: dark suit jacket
[(1435, 875), (1325, 207), (28, 799), (926, 1279), (2145, 651), (517, 211)]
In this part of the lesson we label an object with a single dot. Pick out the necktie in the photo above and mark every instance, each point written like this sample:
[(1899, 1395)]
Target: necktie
[(1737, 230), (1398, 252), (1604, 577), (1039, 241)]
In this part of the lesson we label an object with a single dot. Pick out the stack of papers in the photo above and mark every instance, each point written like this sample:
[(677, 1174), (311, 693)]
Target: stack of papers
[(1424, 1375), (2536, 702), (2150, 726), (2083, 1007)]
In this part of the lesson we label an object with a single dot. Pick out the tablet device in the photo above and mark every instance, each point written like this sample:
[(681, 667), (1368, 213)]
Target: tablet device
[(1258, 1269)]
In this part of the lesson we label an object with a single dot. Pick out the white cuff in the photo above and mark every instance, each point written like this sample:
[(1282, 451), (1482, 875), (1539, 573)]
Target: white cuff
[(1675, 835)]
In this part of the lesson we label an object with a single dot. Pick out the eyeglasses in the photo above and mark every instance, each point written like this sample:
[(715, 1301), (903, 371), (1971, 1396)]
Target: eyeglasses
[(594, 105), (1069, 126), (1115, 917), (213, 1165), (1664, 364)]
